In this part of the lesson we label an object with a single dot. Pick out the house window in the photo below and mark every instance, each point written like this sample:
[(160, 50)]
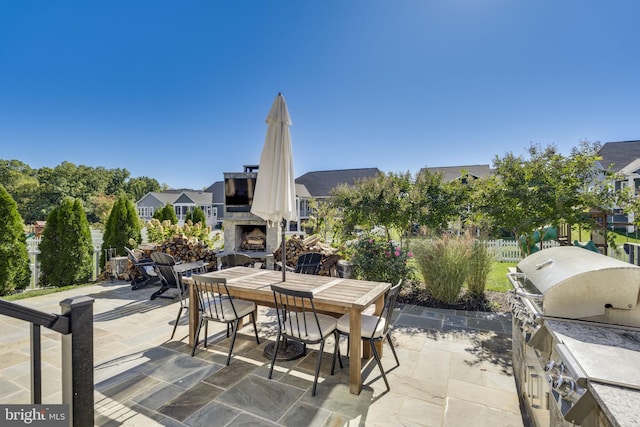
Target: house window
[(143, 211), (304, 208)]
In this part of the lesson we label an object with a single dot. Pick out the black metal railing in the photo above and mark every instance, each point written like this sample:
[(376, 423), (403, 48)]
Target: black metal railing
[(75, 324)]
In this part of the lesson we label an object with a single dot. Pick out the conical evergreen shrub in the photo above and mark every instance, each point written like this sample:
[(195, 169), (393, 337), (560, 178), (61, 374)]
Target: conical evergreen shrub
[(122, 226), (66, 250), (14, 258)]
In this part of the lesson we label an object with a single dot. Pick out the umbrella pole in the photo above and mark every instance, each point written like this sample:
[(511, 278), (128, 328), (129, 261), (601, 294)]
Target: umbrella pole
[(284, 252)]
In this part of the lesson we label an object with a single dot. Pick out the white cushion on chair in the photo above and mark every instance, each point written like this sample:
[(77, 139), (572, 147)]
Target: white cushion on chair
[(242, 309), (368, 325), (295, 322)]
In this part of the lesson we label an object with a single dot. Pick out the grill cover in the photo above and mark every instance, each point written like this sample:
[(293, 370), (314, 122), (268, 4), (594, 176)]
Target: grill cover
[(577, 283)]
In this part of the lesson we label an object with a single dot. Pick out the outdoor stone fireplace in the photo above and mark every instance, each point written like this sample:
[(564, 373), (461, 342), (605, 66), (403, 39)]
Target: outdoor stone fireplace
[(245, 232), (250, 235)]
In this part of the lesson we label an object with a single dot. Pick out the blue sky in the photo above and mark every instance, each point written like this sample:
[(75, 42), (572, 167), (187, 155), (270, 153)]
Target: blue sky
[(179, 90)]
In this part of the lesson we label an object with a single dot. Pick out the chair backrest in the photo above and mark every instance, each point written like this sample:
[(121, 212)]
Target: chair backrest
[(309, 263), (132, 257), (297, 316), (213, 298), (390, 301), (235, 260), (164, 264)]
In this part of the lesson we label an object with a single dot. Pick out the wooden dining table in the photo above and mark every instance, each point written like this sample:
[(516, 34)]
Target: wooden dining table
[(331, 295)]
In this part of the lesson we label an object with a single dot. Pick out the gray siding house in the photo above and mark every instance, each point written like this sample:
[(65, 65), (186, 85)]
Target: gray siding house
[(183, 201), (622, 158)]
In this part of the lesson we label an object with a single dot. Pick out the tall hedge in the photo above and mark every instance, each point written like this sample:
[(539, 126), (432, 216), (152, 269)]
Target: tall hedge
[(66, 250), (122, 226), (14, 258)]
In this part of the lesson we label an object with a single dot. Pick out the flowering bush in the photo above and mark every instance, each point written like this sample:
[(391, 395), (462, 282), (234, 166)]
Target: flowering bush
[(375, 258), (158, 232)]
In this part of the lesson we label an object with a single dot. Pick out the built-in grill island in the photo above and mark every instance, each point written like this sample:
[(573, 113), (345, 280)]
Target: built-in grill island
[(576, 338)]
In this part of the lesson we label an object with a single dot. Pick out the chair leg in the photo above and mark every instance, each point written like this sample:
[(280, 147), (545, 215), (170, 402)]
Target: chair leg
[(348, 344), (377, 357), (393, 350), (233, 339), (339, 356), (255, 327), (175, 326), (336, 352), (275, 352), (315, 380), (195, 343), (206, 333)]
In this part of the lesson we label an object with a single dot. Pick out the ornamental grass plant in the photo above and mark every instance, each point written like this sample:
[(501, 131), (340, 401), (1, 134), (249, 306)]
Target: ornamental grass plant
[(444, 264), (481, 262)]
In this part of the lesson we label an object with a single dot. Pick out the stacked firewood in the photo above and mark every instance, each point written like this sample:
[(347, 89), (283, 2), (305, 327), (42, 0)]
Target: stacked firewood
[(184, 249), (296, 246)]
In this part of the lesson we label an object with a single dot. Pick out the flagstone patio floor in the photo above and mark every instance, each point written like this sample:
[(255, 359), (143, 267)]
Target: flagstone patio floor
[(455, 370)]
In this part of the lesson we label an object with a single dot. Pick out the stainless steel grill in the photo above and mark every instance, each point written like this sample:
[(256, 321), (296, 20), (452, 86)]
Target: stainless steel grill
[(576, 338)]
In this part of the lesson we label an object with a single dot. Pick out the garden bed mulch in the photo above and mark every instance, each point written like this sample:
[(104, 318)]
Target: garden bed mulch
[(496, 302)]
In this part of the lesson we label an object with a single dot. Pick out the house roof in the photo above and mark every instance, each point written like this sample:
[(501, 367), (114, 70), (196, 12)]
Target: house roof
[(320, 183), (632, 168), (449, 173), (200, 198), (217, 189), (617, 155)]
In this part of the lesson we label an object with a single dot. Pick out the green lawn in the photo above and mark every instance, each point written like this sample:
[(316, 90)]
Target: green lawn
[(38, 292), (497, 280)]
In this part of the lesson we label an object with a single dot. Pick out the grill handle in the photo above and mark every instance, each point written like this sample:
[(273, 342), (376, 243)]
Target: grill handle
[(513, 278)]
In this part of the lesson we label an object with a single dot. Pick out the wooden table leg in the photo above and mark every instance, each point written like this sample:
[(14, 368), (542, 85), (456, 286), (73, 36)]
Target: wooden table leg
[(355, 343), (193, 314)]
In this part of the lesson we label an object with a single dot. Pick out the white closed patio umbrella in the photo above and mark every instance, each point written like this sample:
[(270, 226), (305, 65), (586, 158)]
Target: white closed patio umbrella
[(275, 194)]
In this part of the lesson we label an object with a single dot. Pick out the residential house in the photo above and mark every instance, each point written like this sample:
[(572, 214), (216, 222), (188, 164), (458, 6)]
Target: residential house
[(319, 184), (183, 201), (217, 191), (622, 158)]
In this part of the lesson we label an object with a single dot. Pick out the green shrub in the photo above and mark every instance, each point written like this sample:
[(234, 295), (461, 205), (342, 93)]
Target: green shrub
[(167, 213), (444, 264), (480, 265), (123, 225), (377, 259), (66, 250), (196, 216), (14, 264)]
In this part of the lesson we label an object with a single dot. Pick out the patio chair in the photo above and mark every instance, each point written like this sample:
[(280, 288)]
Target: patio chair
[(146, 273), (216, 305), (170, 274), (309, 263), (375, 328), (299, 321), (235, 260)]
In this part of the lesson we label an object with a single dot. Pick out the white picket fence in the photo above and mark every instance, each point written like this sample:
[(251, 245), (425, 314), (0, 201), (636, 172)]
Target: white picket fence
[(509, 251)]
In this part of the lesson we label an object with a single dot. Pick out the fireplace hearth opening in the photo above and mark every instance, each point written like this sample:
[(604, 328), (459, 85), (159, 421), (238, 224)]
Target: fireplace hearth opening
[(253, 237)]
